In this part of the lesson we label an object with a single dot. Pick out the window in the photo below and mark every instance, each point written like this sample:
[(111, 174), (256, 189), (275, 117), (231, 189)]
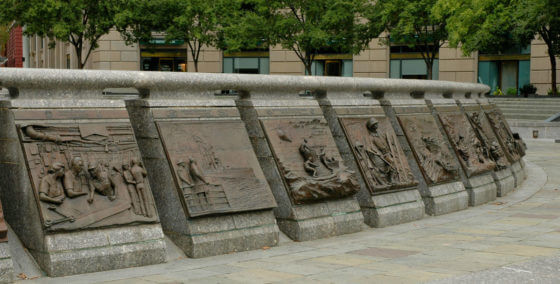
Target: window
[(507, 71), (332, 67), (68, 66), (408, 63), (246, 62), (164, 60)]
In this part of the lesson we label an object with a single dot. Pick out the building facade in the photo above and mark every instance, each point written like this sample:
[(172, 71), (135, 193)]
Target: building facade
[(508, 71)]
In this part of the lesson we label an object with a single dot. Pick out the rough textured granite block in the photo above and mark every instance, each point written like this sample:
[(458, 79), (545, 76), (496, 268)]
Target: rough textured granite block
[(518, 173), (481, 189), (394, 208), (205, 235), (446, 198), (505, 181), (383, 209), (6, 264)]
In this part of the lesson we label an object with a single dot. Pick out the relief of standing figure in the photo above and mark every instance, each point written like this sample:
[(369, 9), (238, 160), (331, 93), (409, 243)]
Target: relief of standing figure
[(139, 174), (131, 188)]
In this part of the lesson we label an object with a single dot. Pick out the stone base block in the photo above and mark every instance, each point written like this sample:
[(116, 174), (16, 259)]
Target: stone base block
[(446, 198), (394, 208), (322, 220), (246, 231), (6, 264), (481, 189), (100, 250), (518, 173), (505, 182)]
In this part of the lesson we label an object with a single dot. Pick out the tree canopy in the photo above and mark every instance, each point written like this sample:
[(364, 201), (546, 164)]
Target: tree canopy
[(307, 27), (78, 22), (494, 26), (413, 23)]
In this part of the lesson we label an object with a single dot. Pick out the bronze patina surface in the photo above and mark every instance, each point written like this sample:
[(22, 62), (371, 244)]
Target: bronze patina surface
[(430, 149), (488, 139), (87, 175), (309, 160), (473, 154), (215, 168), (513, 148), (378, 152)]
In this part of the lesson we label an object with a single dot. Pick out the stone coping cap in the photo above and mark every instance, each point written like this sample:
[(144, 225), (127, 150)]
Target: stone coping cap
[(162, 82)]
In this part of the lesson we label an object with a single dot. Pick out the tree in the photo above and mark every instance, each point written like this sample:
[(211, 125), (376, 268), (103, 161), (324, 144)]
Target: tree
[(541, 17), (497, 25), (194, 21), (307, 27), (413, 23), (78, 22)]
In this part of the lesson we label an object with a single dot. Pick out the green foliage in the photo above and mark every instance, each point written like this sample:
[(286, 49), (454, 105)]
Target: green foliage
[(511, 91), (494, 26), (197, 22), (307, 27), (79, 22), (498, 92), (415, 23), (528, 89)]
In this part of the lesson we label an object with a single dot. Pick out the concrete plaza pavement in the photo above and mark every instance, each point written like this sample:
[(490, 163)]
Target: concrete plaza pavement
[(515, 239)]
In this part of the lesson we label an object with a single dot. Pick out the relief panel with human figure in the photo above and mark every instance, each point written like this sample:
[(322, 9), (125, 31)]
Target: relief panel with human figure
[(430, 149), (473, 154), (379, 154), (87, 175), (308, 159), (215, 168), (514, 148), (488, 139)]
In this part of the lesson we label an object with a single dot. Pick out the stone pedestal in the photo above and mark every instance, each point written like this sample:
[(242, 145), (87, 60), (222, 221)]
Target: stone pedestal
[(502, 174), (472, 150), (6, 264), (284, 128), (505, 181), (440, 188), (210, 191), (387, 202), (446, 198), (75, 235), (513, 148)]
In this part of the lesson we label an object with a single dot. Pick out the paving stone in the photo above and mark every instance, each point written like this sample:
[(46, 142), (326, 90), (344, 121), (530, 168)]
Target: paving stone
[(384, 252)]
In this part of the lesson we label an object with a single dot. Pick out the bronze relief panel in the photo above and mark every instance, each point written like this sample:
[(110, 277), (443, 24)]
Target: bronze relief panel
[(513, 148), (488, 139), (215, 168), (473, 155), (87, 175), (308, 159), (430, 149), (378, 152)]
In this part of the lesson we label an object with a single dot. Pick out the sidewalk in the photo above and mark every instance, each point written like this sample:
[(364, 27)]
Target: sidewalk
[(513, 239)]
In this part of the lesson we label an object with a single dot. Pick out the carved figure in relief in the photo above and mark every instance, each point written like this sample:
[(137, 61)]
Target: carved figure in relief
[(433, 160), (75, 179), (50, 186), (184, 174), (378, 154), (131, 188), (100, 182), (139, 174)]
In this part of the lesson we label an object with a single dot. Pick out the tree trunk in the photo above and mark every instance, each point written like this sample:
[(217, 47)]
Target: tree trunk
[(308, 67), (195, 61), (553, 69), (430, 67)]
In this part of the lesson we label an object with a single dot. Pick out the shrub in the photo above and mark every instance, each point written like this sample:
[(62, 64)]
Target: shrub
[(498, 92), (528, 89), (511, 91)]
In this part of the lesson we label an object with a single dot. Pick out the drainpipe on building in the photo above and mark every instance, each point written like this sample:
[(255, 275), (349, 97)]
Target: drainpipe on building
[(25, 47)]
